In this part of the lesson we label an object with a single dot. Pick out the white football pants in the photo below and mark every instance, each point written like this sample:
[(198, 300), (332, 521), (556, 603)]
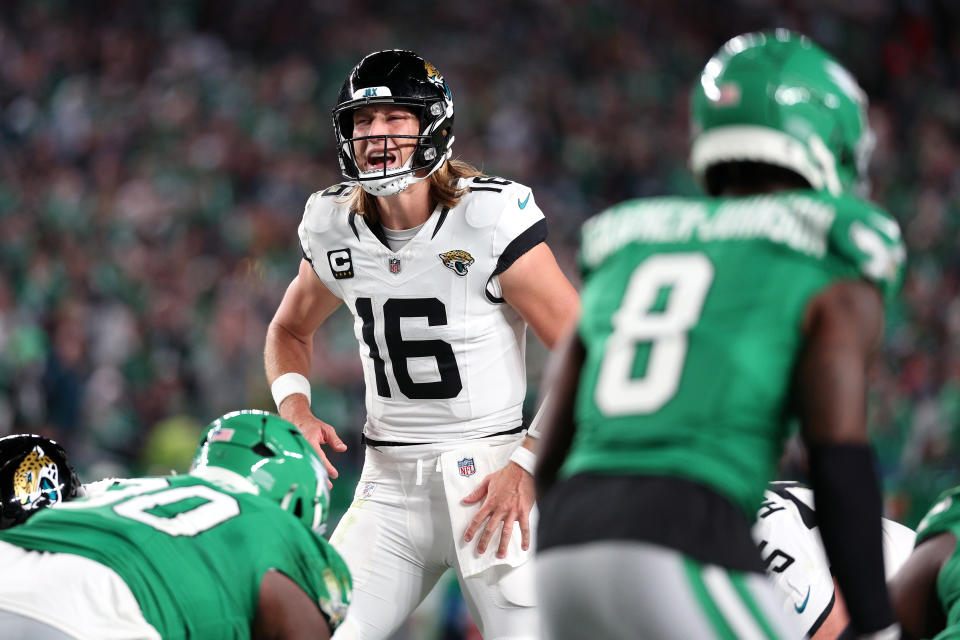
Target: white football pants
[(397, 539)]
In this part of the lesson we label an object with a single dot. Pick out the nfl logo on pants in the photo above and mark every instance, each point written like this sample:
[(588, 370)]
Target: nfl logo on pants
[(466, 467), (394, 265)]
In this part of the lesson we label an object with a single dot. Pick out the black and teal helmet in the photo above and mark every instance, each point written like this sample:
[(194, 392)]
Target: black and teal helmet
[(34, 473)]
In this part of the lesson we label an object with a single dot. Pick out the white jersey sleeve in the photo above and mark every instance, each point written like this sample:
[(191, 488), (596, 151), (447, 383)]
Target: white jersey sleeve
[(319, 214), (794, 557), (99, 487), (520, 227), (443, 355)]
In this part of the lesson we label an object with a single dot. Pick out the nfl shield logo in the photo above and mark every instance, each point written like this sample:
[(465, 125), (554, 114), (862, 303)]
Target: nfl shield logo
[(394, 265), (466, 467)]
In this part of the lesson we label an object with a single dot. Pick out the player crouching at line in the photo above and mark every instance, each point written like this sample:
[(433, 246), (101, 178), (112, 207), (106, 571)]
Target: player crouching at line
[(232, 549)]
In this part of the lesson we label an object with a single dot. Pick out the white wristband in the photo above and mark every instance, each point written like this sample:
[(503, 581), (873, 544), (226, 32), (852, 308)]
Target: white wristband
[(524, 458), (287, 385)]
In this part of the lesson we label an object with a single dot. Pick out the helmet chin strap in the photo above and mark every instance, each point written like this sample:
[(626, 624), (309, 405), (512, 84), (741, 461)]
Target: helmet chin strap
[(391, 185)]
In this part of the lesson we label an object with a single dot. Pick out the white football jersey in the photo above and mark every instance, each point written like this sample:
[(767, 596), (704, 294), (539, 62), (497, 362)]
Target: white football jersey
[(442, 353), (795, 559)]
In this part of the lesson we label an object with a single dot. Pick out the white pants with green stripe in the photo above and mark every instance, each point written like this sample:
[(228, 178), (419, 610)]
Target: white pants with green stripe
[(610, 590)]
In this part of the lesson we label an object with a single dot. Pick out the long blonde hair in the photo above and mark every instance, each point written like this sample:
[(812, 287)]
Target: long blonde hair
[(444, 189)]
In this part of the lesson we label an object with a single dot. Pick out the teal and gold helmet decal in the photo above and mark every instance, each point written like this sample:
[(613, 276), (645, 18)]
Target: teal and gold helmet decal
[(34, 473), (777, 98), (36, 480), (273, 459)]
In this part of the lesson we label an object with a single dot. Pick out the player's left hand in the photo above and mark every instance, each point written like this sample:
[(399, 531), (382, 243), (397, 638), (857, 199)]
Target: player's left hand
[(507, 497)]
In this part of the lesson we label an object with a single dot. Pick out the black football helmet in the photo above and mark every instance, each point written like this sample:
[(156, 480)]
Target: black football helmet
[(34, 473), (400, 78)]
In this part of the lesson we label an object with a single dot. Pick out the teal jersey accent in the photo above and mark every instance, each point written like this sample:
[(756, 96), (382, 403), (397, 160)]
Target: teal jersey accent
[(944, 517), (192, 552), (692, 316)]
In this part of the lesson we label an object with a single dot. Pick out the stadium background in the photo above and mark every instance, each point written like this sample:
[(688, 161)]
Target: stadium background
[(156, 157)]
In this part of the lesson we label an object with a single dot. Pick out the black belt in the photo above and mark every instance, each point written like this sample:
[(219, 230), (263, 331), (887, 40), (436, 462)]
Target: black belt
[(364, 440)]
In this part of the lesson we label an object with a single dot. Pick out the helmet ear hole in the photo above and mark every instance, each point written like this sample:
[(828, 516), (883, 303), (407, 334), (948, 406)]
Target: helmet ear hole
[(262, 449), (298, 508)]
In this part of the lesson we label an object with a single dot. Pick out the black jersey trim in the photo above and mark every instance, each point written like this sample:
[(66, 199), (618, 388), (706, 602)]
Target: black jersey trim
[(370, 442), (823, 615), (492, 298), (494, 189), (305, 256), (377, 229), (352, 219), (807, 514), (534, 235), (443, 218), (670, 512)]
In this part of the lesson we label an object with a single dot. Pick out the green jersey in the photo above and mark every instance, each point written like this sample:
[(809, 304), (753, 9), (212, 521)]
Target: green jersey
[(192, 552), (944, 517), (692, 315)]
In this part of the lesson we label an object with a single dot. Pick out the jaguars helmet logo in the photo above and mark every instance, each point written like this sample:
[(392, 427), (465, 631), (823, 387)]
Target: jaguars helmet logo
[(457, 260), (432, 72), (36, 482), (434, 77)]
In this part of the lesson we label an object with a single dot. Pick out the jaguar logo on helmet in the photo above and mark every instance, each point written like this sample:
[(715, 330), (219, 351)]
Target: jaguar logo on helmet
[(34, 473), (36, 481), (434, 76), (432, 73), (457, 260)]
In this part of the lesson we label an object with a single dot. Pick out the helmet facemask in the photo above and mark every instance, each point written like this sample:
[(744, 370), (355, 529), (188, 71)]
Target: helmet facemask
[(403, 79)]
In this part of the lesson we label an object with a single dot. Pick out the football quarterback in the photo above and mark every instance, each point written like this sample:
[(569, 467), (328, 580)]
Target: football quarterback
[(708, 324), (231, 549), (442, 268)]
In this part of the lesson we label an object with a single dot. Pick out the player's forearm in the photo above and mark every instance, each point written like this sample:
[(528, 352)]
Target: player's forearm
[(831, 387), (285, 353), (557, 425)]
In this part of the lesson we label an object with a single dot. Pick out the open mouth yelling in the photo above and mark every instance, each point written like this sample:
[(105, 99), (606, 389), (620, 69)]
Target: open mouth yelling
[(382, 160)]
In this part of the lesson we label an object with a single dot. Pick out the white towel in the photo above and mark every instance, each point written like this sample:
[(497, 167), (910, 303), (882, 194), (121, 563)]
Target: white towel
[(463, 471)]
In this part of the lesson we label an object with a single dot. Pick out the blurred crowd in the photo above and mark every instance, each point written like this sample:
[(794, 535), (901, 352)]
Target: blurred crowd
[(156, 157)]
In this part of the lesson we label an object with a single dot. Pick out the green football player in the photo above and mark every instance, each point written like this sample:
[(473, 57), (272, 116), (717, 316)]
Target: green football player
[(926, 590), (708, 325), (230, 550)]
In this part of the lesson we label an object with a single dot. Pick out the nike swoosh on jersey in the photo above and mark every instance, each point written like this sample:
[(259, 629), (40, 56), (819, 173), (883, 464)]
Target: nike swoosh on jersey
[(523, 204), (803, 606)]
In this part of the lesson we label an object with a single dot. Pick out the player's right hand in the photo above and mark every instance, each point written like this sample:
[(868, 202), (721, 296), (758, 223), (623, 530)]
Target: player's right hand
[(296, 409)]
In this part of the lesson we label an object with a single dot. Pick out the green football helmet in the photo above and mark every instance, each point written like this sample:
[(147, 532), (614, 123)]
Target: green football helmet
[(777, 98), (264, 454)]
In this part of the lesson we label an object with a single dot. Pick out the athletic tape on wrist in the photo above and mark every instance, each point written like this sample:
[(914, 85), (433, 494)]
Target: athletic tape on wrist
[(524, 458), (287, 385)]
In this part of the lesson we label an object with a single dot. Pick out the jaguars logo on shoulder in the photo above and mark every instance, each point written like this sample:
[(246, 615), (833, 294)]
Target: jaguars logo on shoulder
[(457, 260)]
